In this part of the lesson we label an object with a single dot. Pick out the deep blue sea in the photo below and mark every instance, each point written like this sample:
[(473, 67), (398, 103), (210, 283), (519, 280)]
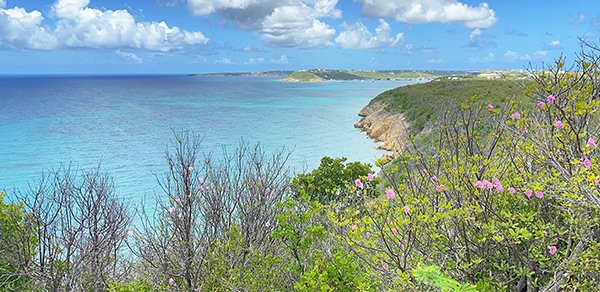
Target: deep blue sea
[(125, 123)]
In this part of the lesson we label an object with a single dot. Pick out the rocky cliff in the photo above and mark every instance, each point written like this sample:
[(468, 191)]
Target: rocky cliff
[(383, 126)]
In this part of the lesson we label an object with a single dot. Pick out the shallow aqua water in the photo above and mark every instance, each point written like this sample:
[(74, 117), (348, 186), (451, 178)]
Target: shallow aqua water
[(124, 123)]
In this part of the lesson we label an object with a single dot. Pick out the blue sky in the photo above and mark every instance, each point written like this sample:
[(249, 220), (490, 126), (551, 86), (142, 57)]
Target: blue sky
[(200, 36)]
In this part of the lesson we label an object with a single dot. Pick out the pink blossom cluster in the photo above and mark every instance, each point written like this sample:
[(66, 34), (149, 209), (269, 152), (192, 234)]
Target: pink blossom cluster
[(486, 184)]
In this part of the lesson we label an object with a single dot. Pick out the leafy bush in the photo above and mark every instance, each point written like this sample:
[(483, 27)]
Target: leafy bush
[(331, 181)]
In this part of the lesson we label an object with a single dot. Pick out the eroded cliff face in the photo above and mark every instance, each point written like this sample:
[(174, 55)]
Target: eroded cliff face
[(382, 126)]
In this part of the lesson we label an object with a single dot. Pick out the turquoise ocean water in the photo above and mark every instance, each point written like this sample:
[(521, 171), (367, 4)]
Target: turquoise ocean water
[(125, 123)]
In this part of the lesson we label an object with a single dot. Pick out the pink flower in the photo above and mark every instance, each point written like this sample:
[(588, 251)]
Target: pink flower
[(559, 125), (201, 181), (171, 281), (370, 177), (597, 181), (394, 231), (190, 168), (551, 99), (358, 183), (499, 188), (129, 232), (539, 194), (586, 163), (354, 227), (434, 179), (591, 143), (406, 209), (440, 188), (528, 193), (512, 190), (541, 105), (487, 184), (495, 180), (390, 194), (515, 116), (368, 234), (523, 131), (171, 209), (490, 106), (552, 249), (479, 184), (178, 200)]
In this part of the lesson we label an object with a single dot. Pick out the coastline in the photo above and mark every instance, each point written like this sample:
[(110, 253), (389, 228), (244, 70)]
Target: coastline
[(385, 127)]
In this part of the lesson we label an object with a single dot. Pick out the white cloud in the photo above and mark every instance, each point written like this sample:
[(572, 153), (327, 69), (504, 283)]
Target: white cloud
[(358, 36), (475, 34), (436, 61), (478, 39), (79, 26), (253, 61), (246, 14), (255, 10), (295, 26), (280, 23), (444, 11), (22, 29), (82, 27), (283, 59), (515, 56), (225, 61), (130, 56), (554, 45), (2, 3)]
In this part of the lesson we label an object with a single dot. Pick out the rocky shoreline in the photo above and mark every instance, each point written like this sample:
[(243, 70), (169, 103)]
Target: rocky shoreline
[(383, 126)]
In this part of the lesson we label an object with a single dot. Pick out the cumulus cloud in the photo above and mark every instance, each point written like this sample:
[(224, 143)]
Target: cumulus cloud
[(83, 27), (358, 36), (79, 26), (245, 14), (444, 11), (22, 29), (280, 23), (295, 26)]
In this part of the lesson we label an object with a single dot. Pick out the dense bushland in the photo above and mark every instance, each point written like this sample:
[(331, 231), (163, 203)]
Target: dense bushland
[(505, 196)]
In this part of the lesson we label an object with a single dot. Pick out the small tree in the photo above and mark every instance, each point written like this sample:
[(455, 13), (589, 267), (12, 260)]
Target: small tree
[(72, 233), (204, 200)]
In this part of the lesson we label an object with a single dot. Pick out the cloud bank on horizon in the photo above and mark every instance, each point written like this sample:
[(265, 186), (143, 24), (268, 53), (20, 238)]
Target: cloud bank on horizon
[(421, 33)]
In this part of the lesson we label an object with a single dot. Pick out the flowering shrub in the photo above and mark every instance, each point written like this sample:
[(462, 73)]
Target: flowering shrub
[(506, 198)]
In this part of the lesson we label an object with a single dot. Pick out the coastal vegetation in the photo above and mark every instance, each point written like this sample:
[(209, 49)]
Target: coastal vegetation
[(315, 75), (504, 196), (421, 103)]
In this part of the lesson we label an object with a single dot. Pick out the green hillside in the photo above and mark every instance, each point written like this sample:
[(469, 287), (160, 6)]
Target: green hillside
[(420, 102), (303, 76)]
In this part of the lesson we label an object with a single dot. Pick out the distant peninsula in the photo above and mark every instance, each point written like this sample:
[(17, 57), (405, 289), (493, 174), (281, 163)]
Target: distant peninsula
[(321, 75)]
